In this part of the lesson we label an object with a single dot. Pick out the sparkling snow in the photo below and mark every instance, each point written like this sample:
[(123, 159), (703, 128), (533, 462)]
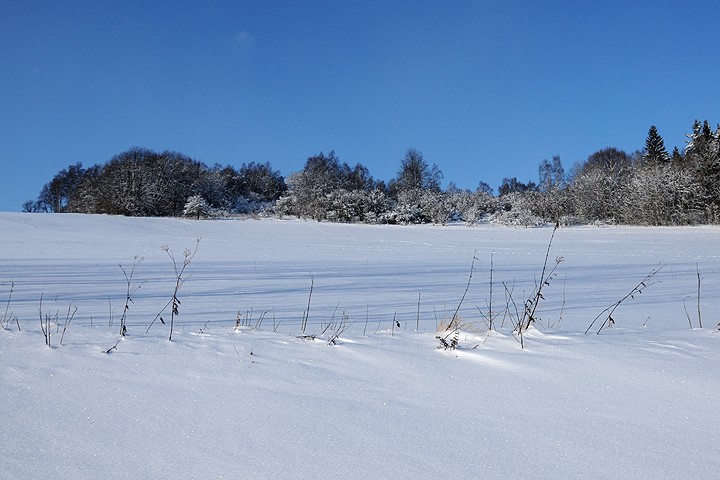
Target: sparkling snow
[(638, 400)]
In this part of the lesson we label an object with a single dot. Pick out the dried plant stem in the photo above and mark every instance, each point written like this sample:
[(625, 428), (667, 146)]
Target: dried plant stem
[(306, 314), (128, 293), (4, 321), (697, 269), (174, 301), (490, 302), (608, 312), (44, 323), (114, 347), (331, 322), (455, 319), (367, 317), (454, 323), (687, 314), (417, 318), (68, 319), (516, 326), (533, 302)]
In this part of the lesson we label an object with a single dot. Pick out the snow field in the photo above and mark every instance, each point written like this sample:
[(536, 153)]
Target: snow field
[(632, 402)]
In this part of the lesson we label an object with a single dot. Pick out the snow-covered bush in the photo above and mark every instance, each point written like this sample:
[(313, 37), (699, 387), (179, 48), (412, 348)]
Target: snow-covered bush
[(378, 206), (471, 207), (517, 218), (420, 206), (405, 214), (516, 209), (346, 206), (287, 204), (196, 207)]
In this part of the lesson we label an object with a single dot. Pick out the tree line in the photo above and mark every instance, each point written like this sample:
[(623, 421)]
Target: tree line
[(141, 182), (646, 187)]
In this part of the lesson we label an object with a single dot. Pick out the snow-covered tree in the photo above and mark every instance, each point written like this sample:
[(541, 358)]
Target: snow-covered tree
[(57, 195), (415, 176), (141, 182), (657, 194), (319, 188), (515, 209), (600, 184), (513, 185), (676, 156), (551, 174), (258, 181), (702, 155), (196, 207)]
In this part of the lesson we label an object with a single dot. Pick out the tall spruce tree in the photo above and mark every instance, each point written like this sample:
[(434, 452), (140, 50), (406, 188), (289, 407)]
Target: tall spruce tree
[(676, 156), (655, 151)]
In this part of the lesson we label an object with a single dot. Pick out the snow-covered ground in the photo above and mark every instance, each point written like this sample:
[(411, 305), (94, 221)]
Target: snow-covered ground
[(638, 400)]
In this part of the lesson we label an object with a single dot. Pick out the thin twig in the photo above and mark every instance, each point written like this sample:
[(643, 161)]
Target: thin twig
[(114, 347), (367, 315), (490, 303), (454, 320), (306, 315), (637, 289), (533, 302), (697, 268), (4, 321), (68, 319), (128, 294), (417, 319), (687, 314)]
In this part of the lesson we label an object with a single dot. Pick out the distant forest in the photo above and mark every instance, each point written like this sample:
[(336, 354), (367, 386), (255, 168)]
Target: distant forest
[(647, 187)]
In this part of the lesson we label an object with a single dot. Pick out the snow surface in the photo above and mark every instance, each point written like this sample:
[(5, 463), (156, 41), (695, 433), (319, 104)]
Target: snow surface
[(637, 401)]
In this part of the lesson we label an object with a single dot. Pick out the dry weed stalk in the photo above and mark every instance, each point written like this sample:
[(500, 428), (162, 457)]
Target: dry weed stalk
[(128, 293), (45, 323), (608, 312), (306, 314), (699, 280), (451, 330), (532, 303), (68, 318), (174, 302), (7, 315), (529, 315)]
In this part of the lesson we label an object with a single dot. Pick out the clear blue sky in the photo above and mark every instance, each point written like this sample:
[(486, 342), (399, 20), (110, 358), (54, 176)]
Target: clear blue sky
[(485, 90)]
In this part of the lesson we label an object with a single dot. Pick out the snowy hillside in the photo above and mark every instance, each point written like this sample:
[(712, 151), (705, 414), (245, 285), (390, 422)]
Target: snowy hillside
[(242, 392)]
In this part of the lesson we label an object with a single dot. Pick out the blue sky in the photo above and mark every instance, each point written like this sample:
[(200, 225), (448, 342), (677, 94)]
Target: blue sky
[(485, 90)]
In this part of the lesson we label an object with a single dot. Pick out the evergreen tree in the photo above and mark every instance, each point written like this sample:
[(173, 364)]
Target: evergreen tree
[(655, 147), (707, 133), (693, 138), (676, 156)]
